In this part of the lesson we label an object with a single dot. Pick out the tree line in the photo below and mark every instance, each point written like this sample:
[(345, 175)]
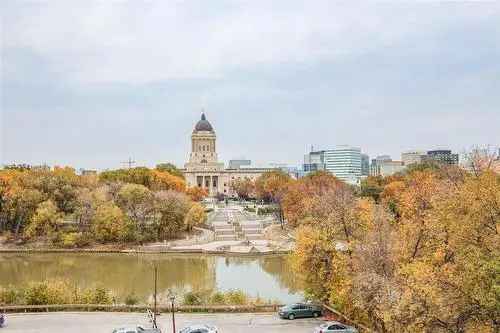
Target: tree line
[(418, 251), (66, 209), (414, 252)]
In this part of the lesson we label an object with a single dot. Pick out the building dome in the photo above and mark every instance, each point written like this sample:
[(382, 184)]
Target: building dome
[(203, 125)]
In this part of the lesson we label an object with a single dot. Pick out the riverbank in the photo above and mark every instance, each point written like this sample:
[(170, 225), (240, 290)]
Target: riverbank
[(135, 251), (234, 248)]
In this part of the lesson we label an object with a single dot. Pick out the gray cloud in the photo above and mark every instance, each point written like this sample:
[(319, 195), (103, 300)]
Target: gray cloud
[(91, 83)]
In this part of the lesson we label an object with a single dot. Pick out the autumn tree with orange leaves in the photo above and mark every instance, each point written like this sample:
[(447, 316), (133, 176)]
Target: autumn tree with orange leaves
[(125, 205), (423, 257)]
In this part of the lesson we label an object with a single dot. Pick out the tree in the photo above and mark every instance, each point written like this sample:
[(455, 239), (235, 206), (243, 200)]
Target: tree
[(197, 193), (170, 168), (109, 223), (20, 206), (244, 188), (320, 266), (271, 187), (46, 220), (164, 181), (372, 187), (171, 208), (299, 195), (195, 216), (453, 287), (137, 203)]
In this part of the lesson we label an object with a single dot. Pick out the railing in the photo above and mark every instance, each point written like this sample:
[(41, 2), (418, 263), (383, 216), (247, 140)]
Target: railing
[(140, 308), (341, 317)]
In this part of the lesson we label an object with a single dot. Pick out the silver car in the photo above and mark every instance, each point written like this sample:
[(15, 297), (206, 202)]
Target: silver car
[(335, 327), (201, 328)]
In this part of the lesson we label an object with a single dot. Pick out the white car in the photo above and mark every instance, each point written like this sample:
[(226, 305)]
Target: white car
[(137, 329), (201, 328), (335, 327)]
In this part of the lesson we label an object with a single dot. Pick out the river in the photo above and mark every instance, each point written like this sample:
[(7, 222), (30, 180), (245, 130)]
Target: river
[(124, 274)]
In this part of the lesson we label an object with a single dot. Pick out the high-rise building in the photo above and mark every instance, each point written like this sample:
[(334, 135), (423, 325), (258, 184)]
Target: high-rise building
[(443, 156), (237, 164), (374, 169), (384, 166), (344, 162), (365, 165), (412, 157), (314, 161)]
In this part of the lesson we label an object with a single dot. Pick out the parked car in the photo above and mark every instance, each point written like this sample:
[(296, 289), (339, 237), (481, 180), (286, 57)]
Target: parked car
[(202, 328), (137, 329), (335, 327), (300, 310)]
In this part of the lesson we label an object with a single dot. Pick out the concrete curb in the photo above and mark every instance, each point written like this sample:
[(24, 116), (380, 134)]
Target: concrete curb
[(164, 308)]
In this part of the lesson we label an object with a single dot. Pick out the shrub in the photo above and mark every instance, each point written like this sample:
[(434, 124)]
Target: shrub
[(192, 298), (69, 240), (236, 297), (10, 296), (267, 210), (131, 299), (47, 292), (218, 298), (250, 209), (96, 296)]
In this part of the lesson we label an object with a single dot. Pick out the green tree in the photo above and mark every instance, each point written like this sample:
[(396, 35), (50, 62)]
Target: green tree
[(46, 220), (109, 223), (137, 203), (170, 168)]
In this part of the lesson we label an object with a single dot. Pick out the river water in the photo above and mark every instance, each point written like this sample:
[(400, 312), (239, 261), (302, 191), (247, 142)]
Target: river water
[(124, 274)]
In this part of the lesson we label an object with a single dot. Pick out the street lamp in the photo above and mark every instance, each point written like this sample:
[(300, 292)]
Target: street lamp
[(171, 296)]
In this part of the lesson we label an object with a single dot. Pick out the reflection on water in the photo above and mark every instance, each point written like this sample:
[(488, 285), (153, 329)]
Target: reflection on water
[(124, 274)]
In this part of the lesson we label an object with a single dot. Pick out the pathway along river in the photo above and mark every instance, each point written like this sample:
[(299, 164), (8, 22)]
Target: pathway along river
[(125, 274)]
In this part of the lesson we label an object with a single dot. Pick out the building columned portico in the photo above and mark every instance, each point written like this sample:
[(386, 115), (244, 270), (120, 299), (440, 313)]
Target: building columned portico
[(203, 168)]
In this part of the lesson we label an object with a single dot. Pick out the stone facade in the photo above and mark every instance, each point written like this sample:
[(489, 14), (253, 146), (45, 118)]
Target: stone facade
[(204, 169)]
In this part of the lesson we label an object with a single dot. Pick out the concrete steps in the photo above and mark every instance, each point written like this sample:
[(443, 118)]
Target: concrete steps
[(254, 236), (225, 237)]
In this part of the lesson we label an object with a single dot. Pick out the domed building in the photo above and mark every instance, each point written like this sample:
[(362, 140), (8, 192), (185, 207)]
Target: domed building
[(204, 169)]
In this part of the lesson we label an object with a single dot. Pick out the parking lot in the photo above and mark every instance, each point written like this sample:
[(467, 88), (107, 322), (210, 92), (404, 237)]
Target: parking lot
[(101, 322)]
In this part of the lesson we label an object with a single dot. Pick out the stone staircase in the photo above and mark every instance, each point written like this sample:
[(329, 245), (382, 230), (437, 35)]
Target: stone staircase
[(252, 231), (224, 231)]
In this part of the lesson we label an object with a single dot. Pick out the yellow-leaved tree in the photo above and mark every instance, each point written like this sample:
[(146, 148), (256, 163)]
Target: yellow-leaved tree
[(195, 216)]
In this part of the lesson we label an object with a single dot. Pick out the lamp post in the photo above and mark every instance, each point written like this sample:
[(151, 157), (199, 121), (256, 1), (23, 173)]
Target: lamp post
[(156, 289), (171, 296)]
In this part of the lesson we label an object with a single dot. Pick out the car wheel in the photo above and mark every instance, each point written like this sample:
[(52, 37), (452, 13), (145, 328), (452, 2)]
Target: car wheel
[(291, 316), (315, 314)]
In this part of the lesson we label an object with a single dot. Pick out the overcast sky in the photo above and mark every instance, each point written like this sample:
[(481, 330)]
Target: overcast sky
[(89, 84)]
